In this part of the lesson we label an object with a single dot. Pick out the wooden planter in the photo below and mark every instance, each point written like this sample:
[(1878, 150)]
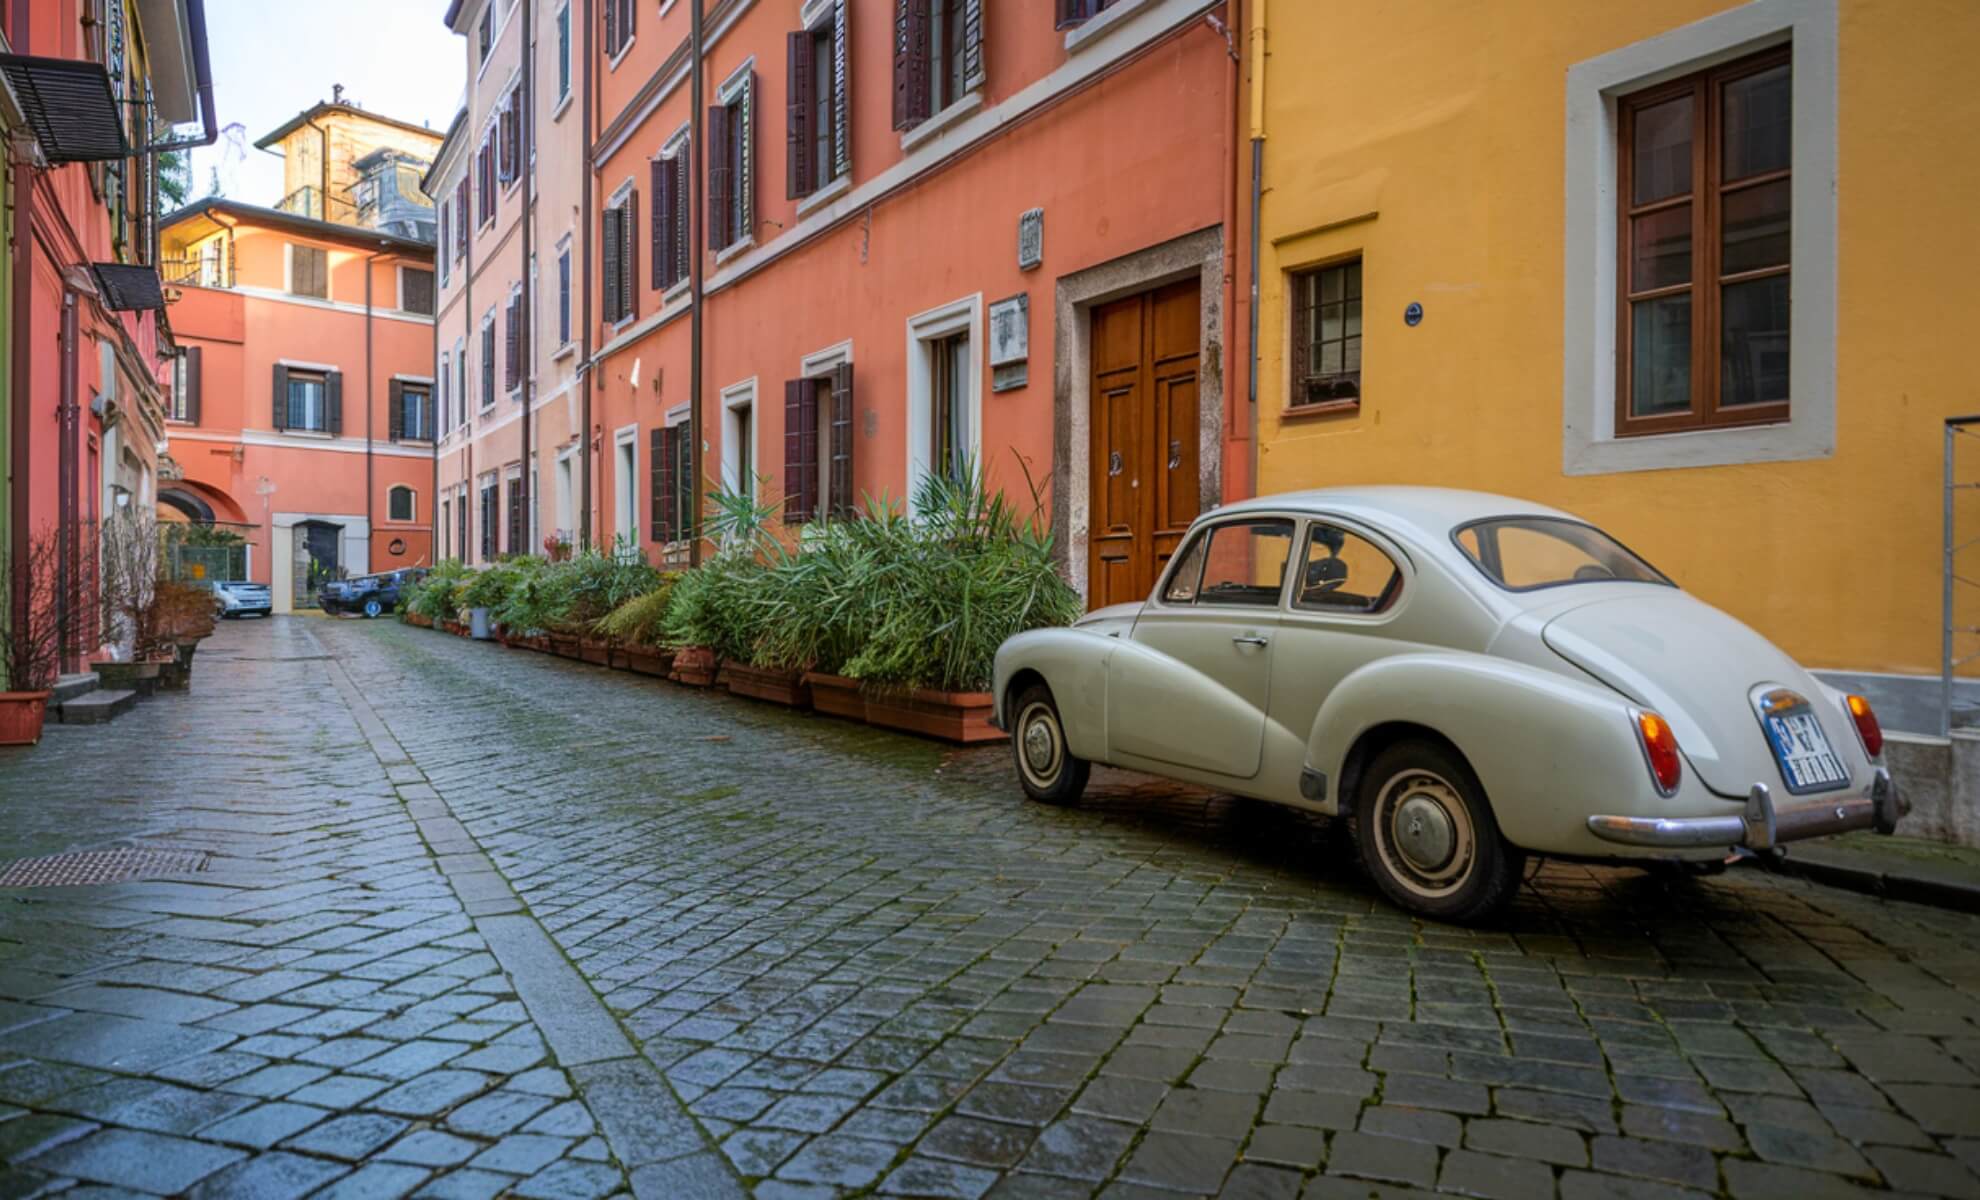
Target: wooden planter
[(621, 657), (769, 683), (454, 627), (423, 622), (649, 660), (21, 717), (538, 642), (837, 696), (694, 666), (564, 645), (595, 651), (951, 716)]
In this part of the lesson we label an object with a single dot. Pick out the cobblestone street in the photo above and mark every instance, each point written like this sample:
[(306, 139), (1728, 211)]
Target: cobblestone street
[(479, 922)]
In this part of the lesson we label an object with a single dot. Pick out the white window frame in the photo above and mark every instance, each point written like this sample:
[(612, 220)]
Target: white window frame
[(494, 366), (958, 316), (410, 491), (618, 200), (515, 294), (567, 492), (726, 95), (1590, 445), (567, 73), (625, 484), (738, 397), (566, 310)]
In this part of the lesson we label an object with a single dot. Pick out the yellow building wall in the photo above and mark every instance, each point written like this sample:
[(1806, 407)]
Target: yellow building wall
[(351, 137), (1429, 136)]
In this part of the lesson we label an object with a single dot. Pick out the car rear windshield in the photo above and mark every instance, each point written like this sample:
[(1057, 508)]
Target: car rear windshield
[(1524, 553)]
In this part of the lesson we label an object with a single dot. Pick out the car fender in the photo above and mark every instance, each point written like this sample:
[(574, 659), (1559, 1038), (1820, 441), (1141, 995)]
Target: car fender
[(1073, 663), (1549, 750)]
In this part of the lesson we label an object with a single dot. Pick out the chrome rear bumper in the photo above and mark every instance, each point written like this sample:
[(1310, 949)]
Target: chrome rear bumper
[(1762, 826)]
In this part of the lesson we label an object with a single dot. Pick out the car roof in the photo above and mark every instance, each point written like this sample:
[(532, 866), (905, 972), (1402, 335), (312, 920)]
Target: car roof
[(1429, 512)]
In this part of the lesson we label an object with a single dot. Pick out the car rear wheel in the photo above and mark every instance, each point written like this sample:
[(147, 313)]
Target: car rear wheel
[(1427, 835), (1050, 773), (372, 607)]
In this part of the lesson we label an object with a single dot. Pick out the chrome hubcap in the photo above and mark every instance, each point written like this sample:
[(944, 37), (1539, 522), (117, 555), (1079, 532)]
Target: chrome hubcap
[(1038, 746), (1423, 833)]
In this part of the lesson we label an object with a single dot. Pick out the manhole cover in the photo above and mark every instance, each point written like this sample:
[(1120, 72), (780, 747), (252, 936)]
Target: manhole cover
[(99, 866)]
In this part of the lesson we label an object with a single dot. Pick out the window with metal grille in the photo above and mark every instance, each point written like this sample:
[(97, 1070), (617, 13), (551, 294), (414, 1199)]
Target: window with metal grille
[(1326, 337), (416, 290)]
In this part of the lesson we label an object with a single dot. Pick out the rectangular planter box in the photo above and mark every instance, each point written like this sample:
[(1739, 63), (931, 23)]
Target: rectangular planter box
[(139, 677), (649, 660), (951, 716), (836, 696), (538, 642), (694, 666), (419, 621), (764, 683), (563, 645), (621, 657), (595, 652)]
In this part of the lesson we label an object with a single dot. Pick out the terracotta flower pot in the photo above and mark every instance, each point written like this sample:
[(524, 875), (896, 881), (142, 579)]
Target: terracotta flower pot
[(649, 660), (951, 716), (836, 695), (21, 717), (694, 666), (422, 622), (769, 683)]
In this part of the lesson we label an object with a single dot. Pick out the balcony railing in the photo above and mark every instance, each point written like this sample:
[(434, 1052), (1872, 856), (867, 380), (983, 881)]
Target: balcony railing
[(195, 271)]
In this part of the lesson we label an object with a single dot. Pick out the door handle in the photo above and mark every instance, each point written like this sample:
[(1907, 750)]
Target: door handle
[(1250, 639)]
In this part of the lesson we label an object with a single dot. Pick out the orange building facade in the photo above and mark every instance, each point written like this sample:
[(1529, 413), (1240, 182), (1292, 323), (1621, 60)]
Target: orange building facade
[(932, 233), (303, 406)]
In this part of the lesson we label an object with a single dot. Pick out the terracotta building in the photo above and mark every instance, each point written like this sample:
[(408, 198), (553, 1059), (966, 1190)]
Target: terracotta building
[(304, 407), (930, 233), (94, 91)]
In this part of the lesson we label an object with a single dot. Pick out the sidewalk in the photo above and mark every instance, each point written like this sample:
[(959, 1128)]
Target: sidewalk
[(1898, 867)]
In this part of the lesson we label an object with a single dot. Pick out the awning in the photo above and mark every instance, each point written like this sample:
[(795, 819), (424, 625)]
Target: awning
[(128, 289), (69, 106)]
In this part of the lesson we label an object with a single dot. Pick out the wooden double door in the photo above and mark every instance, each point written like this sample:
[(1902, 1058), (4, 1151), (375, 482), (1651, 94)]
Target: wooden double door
[(1145, 438)]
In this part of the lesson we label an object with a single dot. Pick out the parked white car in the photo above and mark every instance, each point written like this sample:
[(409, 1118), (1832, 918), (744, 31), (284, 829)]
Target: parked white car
[(1470, 678)]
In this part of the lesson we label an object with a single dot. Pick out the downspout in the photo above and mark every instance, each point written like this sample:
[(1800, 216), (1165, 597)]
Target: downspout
[(1257, 56), (1234, 81), (323, 165), (523, 356), (202, 81), (585, 223), (467, 343), (698, 217), (68, 467), (370, 523), (23, 188)]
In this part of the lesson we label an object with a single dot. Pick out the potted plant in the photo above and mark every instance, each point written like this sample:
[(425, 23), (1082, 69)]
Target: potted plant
[(711, 618), (432, 602), (597, 583), (30, 651), (638, 628)]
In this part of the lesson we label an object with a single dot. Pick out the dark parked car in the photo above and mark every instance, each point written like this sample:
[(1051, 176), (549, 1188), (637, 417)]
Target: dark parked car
[(371, 595)]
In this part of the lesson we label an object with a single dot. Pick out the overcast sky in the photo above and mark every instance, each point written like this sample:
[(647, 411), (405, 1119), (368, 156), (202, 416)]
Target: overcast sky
[(274, 58)]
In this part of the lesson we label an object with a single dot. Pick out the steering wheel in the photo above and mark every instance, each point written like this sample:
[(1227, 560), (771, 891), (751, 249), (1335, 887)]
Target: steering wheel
[(1325, 575)]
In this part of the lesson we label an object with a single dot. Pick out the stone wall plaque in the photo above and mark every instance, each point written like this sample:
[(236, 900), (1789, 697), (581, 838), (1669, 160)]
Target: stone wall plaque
[(1010, 342), (1031, 239)]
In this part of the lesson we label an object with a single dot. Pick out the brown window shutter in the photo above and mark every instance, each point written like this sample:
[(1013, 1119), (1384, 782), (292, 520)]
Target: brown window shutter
[(463, 220), (281, 417), (195, 381), (841, 447), (685, 479), (612, 27), (1072, 12), (610, 242), (395, 410), (660, 473), (800, 450), (911, 67), (719, 174), (628, 256), (744, 180), (683, 214), (841, 94), (973, 72), (798, 171), (661, 237), (511, 348), (333, 402)]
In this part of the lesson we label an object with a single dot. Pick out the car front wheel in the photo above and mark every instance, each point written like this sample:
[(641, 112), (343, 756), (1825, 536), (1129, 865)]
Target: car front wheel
[(1427, 835), (1050, 773), (372, 607)]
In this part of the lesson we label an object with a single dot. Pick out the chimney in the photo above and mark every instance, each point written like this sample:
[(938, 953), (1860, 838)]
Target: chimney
[(336, 93)]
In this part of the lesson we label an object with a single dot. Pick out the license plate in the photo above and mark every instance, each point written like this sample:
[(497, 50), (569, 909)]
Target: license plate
[(1807, 762)]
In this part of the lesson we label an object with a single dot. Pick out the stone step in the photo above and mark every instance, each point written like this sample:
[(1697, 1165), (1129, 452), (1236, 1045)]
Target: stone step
[(73, 687), (97, 707)]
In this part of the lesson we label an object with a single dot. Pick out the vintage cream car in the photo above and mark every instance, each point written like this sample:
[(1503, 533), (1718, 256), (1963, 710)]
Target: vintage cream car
[(1469, 678)]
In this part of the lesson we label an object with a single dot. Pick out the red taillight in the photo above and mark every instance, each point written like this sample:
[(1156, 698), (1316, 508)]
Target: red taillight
[(1866, 726), (1660, 749)]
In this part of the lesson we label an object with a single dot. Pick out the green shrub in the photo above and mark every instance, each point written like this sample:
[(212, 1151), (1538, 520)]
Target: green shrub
[(713, 605), (537, 597), (434, 596), (489, 587), (642, 620), (596, 583)]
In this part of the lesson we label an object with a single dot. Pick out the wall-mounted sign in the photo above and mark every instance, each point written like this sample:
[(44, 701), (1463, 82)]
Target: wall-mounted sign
[(1010, 342), (1413, 315), (398, 546), (1031, 239)]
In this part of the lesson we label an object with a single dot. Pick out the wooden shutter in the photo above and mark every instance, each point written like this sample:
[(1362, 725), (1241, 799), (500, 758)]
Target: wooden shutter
[(798, 169), (610, 241), (512, 347), (487, 365), (683, 214), (660, 477), (911, 67), (841, 446), (333, 402), (719, 175), (612, 27), (463, 221), (195, 381), (685, 478), (661, 236), (395, 411), (744, 179), (564, 297), (628, 256), (1072, 12), (281, 417), (515, 516), (800, 451), (972, 45), (841, 93)]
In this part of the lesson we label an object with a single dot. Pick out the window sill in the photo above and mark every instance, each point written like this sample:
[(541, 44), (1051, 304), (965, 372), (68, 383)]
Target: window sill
[(1329, 408), (949, 116), (321, 435), (1102, 25), (415, 443), (675, 292), (612, 62), (557, 113), (563, 351), (825, 195), (733, 249)]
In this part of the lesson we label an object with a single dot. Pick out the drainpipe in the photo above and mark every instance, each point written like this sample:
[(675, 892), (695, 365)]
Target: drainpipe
[(1234, 81), (528, 169), (23, 181), (1257, 199), (468, 328), (370, 525), (68, 467), (698, 217), (585, 223), (323, 166)]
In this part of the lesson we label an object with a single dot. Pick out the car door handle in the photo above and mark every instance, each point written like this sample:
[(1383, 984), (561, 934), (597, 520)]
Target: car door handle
[(1250, 639)]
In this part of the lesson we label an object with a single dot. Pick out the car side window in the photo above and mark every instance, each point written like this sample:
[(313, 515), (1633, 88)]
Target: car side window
[(1239, 562), (1345, 573)]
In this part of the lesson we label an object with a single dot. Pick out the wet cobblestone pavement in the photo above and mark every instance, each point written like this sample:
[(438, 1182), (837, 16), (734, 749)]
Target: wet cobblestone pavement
[(480, 922)]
